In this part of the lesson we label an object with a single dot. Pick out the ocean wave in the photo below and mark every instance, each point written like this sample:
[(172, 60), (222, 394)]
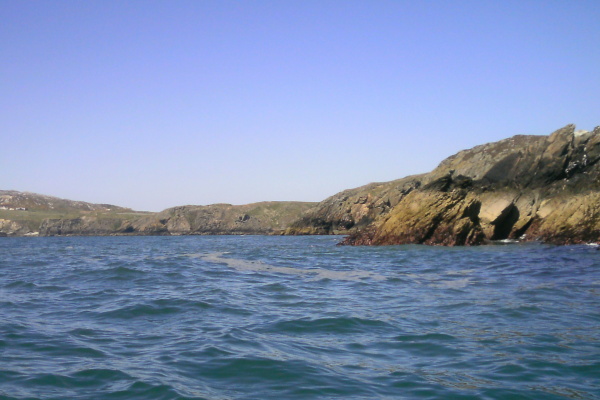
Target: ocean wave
[(340, 325), (159, 307), (100, 383), (20, 284)]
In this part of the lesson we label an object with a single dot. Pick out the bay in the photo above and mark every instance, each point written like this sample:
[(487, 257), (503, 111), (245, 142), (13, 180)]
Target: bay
[(269, 317)]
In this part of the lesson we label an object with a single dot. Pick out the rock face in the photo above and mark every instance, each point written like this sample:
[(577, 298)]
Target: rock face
[(12, 228), (525, 187)]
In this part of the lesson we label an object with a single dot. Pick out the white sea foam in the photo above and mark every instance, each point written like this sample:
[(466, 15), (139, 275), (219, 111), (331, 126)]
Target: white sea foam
[(453, 284), (440, 281), (461, 272), (507, 241), (313, 274)]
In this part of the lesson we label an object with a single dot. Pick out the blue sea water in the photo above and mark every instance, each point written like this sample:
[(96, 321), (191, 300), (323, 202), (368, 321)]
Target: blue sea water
[(253, 317)]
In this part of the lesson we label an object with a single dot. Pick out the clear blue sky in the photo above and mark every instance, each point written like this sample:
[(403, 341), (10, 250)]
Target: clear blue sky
[(152, 104)]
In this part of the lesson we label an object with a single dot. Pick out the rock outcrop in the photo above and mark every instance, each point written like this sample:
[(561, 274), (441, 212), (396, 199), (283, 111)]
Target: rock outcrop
[(13, 228), (525, 187)]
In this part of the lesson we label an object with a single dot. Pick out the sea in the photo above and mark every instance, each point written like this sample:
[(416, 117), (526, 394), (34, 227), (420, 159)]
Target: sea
[(277, 317)]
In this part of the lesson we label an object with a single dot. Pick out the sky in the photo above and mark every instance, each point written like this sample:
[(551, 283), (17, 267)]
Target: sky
[(152, 104)]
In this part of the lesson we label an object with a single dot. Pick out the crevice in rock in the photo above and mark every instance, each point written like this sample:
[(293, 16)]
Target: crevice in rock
[(505, 222), (519, 232), (472, 212), (435, 222), (442, 184)]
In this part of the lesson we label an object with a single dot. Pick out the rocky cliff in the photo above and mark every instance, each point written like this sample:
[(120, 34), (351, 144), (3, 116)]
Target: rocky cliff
[(525, 187)]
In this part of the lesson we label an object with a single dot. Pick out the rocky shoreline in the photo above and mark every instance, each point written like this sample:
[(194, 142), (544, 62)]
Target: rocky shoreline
[(524, 188)]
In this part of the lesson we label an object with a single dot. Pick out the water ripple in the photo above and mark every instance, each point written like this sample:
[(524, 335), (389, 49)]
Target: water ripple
[(222, 318)]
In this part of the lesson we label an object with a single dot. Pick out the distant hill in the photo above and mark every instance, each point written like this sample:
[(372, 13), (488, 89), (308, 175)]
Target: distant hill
[(31, 214), (271, 217), (39, 202), (26, 214)]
